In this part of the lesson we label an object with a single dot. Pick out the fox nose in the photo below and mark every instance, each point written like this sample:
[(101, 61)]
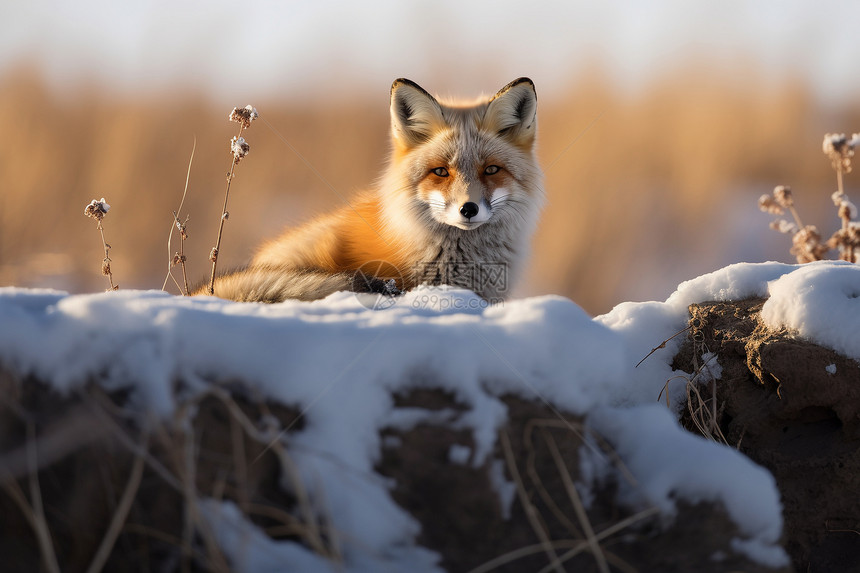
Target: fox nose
[(469, 210)]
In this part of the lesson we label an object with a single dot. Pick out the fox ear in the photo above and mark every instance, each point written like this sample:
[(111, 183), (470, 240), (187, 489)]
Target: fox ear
[(512, 112), (414, 113)]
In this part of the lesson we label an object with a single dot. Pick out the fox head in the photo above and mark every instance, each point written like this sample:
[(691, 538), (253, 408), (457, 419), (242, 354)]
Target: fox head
[(467, 165)]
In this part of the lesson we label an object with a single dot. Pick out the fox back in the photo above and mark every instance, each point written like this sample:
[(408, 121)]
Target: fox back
[(457, 205)]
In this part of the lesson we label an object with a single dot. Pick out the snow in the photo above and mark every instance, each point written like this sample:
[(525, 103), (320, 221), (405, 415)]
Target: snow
[(821, 302), (645, 325), (249, 549), (459, 454), (668, 462), (239, 147), (830, 369), (710, 368), (506, 490), (340, 362)]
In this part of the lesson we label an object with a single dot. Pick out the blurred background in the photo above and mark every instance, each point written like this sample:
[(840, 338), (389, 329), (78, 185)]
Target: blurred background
[(660, 124)]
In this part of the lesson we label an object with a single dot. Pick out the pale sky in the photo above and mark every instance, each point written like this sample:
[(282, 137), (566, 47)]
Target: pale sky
[(292, 48)]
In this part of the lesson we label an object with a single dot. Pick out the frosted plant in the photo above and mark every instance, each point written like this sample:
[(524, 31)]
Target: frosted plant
[(782, 194), (783, 226), (778, 202), (768, 204), (244, 115), (845, 208), (847, 240), (840, 150), (98, 209), (238, 148), (806, 239), (807, 245)]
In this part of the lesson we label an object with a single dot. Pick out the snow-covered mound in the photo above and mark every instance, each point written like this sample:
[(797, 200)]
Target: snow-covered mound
[(339, 362)]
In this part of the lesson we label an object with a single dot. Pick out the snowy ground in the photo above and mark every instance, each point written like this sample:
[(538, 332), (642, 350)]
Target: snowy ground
[(339, 362)]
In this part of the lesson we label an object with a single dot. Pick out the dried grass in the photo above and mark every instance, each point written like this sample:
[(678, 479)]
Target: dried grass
[(704, 411), (178, 257), (583, 537), (176, 466)]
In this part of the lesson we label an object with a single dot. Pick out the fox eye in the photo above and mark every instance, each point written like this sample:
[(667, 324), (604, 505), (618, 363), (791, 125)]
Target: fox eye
[(491, 170), (440, 172)]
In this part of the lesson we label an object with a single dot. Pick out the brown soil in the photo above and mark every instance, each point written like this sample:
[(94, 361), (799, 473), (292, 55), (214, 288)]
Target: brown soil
[(86, 443), (778, 404), (461, 515)]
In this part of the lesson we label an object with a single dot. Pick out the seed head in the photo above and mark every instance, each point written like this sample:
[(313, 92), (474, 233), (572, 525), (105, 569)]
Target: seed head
[(768, 204), (244, 115), (239, 148), (97, 209), (783, 226), (837, 197), (807, 246), (840, 150), (846, 238), (782, 195), (846, 209)]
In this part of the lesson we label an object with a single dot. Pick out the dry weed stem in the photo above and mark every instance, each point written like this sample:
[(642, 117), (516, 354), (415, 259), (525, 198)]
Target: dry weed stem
[(238, 148), (98, 209)]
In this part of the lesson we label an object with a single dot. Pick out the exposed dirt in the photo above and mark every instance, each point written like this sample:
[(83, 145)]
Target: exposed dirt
[(87, 448), (85, 451), (793, 407), (462, 518)]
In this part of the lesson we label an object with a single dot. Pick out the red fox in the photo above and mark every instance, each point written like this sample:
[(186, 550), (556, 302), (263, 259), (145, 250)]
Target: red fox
[(457, 205)]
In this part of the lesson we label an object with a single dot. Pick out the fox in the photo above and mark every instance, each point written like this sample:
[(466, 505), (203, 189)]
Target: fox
[(456, 205)]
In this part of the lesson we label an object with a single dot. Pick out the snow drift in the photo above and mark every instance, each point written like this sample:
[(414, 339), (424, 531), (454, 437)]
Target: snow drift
[(340, 364)]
